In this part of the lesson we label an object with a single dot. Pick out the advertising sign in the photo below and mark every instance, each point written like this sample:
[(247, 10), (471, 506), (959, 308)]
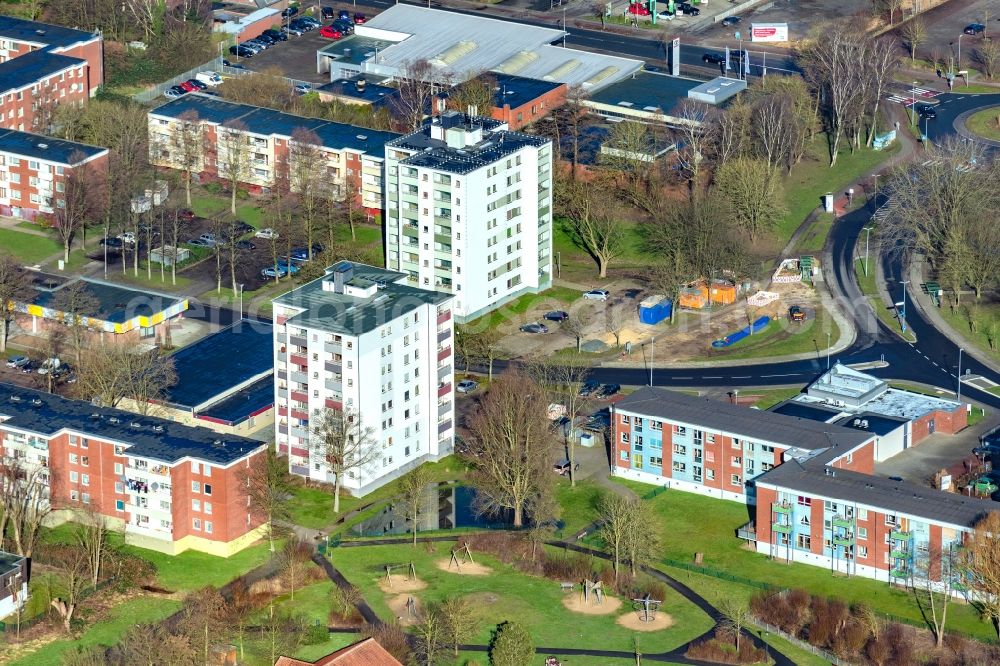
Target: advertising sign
[(769, 32)]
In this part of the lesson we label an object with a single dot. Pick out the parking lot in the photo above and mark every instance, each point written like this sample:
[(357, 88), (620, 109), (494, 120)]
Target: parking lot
[(296, 58), (946, 22), (939, 451)]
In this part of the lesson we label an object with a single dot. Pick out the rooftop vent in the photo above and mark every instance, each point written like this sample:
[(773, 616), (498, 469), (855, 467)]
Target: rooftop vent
[(15, 398), (95, 415), (36, 402), (43, 146), (158, 428), (829, 471), (39, 32), (135, 424), (362, 137), (114, 419)]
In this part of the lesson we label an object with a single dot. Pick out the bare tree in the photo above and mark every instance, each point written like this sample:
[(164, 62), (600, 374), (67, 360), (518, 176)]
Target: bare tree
[(73, 579), (14, 288), (91, 533), (24, 497), (510, 442), (413, 496), (269, 489), (731, 130), (880, 68), (614, 512), (932, 580), (429, 634), (597, 229), (233, 157), (987, 56), (265, 88), (459, 621), (342, 440), (914, 33), (309, 182), (616, 320), (888, 8), (694, 136), (76, 304), (201, 619), (629, 156), (563, 382), (981, 562), (753, 191), (477, 93), (296, 558), (80, 201), (416, 92), (483, 346), (737, 616), (112, 371), (186, 148)]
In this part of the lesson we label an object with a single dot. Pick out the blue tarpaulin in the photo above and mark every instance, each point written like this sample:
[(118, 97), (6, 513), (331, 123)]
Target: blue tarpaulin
[(733, 338)]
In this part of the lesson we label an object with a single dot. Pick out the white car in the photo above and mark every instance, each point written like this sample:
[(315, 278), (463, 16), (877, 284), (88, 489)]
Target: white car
[(267, 233), (128, 238), (210, 79), (597, 295), (49, 365), (302, 88)]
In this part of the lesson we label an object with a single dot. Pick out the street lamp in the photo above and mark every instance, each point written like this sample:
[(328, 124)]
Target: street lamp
[(829, 336), (241, 300), (913, 104), (652, 342), (868, 231), (903, 313), (960, 350)]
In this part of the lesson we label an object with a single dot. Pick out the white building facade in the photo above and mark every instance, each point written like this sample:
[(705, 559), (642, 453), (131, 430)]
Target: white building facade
[(361, 340), (469, 211)]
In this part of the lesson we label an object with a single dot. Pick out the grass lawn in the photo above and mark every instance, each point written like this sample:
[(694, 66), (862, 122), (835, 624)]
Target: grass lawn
[(143, 281), (782, 337), (976, 416), (995, 390), (208, 205), (813, 177), (313, 602), (688, 533), (985, 123), (575, 262), (977, 89), (771, 397), (813, 240), (982, 314), (250, 214), (108, 631), (869, 288), (29, 248), (364, 234), (579, 505), (507, 594)]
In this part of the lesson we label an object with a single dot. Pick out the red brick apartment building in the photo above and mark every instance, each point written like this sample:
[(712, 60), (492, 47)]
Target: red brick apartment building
[(43, 66), (520, 101), (34, 168), (811, 485), (353, 157), (171, 487)]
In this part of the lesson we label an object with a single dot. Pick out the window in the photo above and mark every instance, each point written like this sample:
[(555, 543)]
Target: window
[(74, 459), (85, 498), (804, 520), (735, 480), (863, 534), (74, 477), (195, 487), (208, 507), (85, 460), (625, 418), (862, 514), (119, 505), (119, 469), (710, 474), (624, 456), (638, 422), (85, 479), (84, 443), (863, 552), (680, 467), (195, 467), (711, 439), (804, 501), (890, 519), (119, 487), (208, 527), (804, 542), (195, 505), (680, 430), (208, 489), (637, 460), (74, 496), (737, 461), (830, 506), (197, 524), (625, 437), (709, 456)]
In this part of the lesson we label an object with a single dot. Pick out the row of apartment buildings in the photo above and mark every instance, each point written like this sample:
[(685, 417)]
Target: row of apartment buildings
[(43, 66), (811, 485)]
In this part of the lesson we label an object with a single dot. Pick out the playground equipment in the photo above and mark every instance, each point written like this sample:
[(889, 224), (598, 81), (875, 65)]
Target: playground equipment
[(466, 554), (411, 572), (593, 589), (411, 607), (646, 608)]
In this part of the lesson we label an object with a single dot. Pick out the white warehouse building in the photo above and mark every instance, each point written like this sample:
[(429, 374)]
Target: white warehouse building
[(469, 211), (360, 340)]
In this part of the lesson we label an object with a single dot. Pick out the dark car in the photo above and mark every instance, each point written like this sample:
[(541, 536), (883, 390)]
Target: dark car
[(359, 18), (689, 9), (245, 245), (290, 11), (598, 421), (197, 84), (344, 14), (113, 243), (974, 29), (608, 390), (556, 315), (344, 25), (731, 20), (240, 229), (186, 215), (276, 35), (713, 58), (327, 12), (534, 328), (589, 387), (302, 254), (28, 368), (241, 51), (266, 38), (233, 65), (926, 111)]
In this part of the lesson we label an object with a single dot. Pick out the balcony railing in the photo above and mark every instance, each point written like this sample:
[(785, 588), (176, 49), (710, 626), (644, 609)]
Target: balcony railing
[(444, 390), (444, 353), (443, 317), (781, 507), (444, 335), (444, 426)]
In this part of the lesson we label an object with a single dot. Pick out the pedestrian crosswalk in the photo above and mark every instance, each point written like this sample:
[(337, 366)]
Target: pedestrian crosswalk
[(913, 94)]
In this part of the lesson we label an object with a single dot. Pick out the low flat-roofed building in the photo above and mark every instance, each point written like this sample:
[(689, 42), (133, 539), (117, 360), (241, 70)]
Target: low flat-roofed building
[(718, 90), (358, 89), (519, 100), (644, 96), (117, 310), (225, 381)]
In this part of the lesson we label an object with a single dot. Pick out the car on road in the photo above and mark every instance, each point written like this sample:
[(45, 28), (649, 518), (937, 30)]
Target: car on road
[(796, 313), (556, 315), (713, 58), (267, 233), (128, 238), (534, 327), (608, 390), (330, 32), (245, 245), (731, 20), (597, 295), (113, 243), (974, 29), (926, 111), (589, 387), (466, 386), (271, 272), (17, 361), (302, 88)]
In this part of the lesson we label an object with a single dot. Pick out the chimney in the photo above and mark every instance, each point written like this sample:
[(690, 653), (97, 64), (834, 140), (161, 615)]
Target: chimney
[(472, 111), (360, 85)]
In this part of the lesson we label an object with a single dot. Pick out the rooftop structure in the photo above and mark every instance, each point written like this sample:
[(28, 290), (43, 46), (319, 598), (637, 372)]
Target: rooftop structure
[(846, 386), (649, 96), (367, 652), (46, 414), (718, 90), (461, 46)]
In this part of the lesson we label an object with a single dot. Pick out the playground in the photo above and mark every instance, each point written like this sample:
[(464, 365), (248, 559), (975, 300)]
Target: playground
[(557, 614)]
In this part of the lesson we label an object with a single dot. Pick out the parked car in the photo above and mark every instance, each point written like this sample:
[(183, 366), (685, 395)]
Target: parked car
[(232, 65), (926, 111), (589, 387), (638, 9), (556, 315), (296, 29), (309, 20), (327, 12), (267, 233), (289, 11), (186, 215), (210, 79), (344, 14), (796, 313), (208, 239), (974, 29), (330, 32), (561, 467), (608, 390), (197, 84), (50, 364), (667, 16), (276, 35), (689, 9), (128, 238), (346, 26), (359, 18), (197, 242), (534, 328), (245, 245), (239, 229), (271, 272), (466, 386), (113, 243), (599, 420), (258, 44), (731, 20), (302, 254), (287, 267), (713, 58), (302, 88), (241, 51), (597, 295), (188, 87), (173, 93), (28, 368), (17, 361)]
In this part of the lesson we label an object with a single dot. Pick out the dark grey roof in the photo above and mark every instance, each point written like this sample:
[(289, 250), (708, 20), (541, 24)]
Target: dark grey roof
[(879, 492), (373, 93), (115, 303), (38, 147), (9, 562), (29, 69), (436, 154), (879, 424), (805, 411), (158, 439), (267, 122), (222, 362), (243, 404), (749, 423), (353, 315), (519, 90), (36, 32), (646, 91)]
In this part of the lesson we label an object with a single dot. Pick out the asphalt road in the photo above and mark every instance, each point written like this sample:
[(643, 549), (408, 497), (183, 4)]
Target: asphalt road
[(950, 107)]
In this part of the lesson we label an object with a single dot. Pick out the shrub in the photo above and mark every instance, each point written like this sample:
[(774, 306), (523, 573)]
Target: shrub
[(315, 634), (511, 645)]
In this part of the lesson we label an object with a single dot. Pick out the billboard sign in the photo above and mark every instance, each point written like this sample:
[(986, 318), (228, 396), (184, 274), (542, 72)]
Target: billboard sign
[(769, 32)]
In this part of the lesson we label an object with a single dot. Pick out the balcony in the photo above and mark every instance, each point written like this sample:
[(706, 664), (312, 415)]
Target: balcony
[(444, 353), (283, 428), (900, 572), (781, 528), (444, 390), (334, 367), (300, 432), (840, 521), (299, 470), (443, 317), (299, 396), (444, 335), (300, 378), (332, 347), (444, 426), (899, 554), (298, 359), (747, 532), (298, 341), (781, 507), (844, 540), (333, 404), (298, 414), (444, 407), (334, 385), (899, 535), (444, 372)]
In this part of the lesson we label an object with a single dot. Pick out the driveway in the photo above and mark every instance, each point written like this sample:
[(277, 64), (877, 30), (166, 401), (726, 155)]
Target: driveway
[(939, 451), (296, 58)]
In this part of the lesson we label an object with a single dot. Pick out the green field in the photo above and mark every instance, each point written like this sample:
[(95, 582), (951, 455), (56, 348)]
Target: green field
[(506, 594), (985, 123), (972, 320), (29, 248)]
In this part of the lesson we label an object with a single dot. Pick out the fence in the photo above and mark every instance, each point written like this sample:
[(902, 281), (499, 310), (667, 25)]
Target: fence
[(239, 71), (803, 645), (147, 96)]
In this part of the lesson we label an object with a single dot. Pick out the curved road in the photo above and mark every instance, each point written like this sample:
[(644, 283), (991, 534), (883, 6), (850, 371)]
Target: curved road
[(949, 109)]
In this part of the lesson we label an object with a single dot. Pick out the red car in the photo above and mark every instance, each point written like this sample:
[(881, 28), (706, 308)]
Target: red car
[(186, 215), (359, 18), (330, 32), (639, 9), (188, 86)]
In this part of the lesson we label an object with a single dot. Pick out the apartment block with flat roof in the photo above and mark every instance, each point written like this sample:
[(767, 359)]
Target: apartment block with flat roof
[(469, 211), (363, 341)]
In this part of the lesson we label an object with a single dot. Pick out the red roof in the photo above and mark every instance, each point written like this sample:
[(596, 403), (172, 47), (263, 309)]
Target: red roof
[(363, 653)]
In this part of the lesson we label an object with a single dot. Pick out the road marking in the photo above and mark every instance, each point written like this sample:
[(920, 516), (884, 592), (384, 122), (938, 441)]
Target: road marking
[(683, 377), (789, 374), (934, 362), (707, 377), (741, 377)]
